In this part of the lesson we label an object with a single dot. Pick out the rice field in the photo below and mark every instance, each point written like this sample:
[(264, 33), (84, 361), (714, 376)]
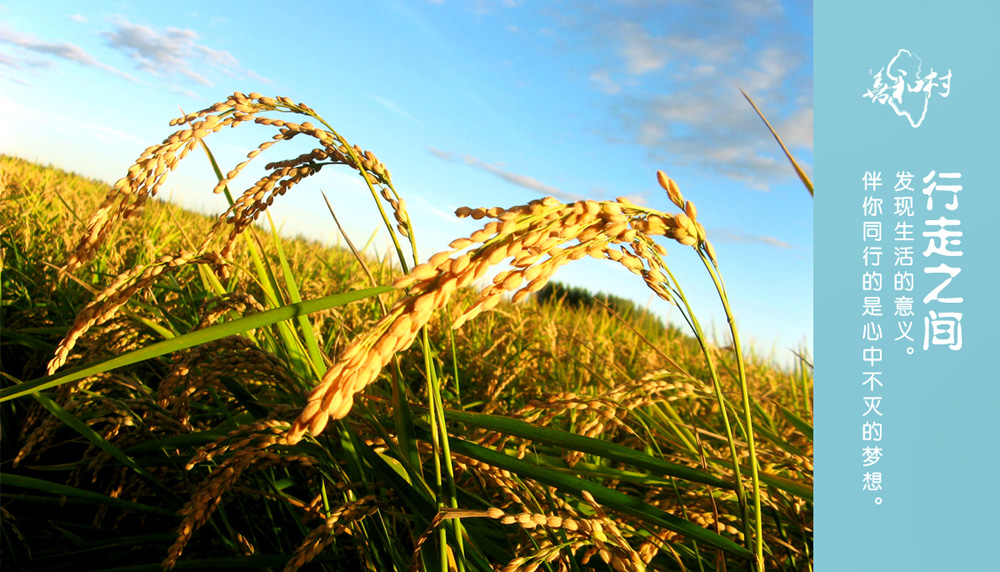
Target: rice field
[(182, 391)]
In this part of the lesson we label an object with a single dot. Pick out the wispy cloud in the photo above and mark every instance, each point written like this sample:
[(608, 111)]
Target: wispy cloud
[(64, 50), (255, 76), (749, 239), (483, 7), (172, 53), (522, 181), (23, 63), (419, 203), (19, 81), (394, 107), (441, 154), (78, 18)]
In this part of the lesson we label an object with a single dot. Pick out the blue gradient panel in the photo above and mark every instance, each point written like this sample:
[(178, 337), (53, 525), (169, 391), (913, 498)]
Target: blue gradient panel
[(936, 505)]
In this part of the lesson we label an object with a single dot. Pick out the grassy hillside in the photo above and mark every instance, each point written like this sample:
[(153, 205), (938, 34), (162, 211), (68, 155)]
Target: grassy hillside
[(253, 402)]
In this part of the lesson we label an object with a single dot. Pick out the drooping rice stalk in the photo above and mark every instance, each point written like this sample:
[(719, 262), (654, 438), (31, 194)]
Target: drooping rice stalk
[(375, 474)]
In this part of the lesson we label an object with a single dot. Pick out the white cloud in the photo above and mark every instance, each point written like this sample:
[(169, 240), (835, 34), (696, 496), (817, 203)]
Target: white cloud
[(602, 79), (157, 53), (642, 53), (757, 8), (796, 130), (713, 128), (173, 52), (78, 18), (676, 68), (774, 64)]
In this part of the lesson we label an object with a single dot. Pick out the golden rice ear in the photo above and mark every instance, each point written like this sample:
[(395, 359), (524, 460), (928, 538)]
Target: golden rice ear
[(664, 181), (690, 210), (547, 232), (673, 191), (710, 250)]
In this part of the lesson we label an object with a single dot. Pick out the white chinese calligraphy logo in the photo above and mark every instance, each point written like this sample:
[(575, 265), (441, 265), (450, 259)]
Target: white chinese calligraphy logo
[(901, 86)]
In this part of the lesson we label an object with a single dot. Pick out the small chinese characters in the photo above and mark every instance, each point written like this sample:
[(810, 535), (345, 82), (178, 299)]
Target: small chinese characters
[(873, 287), (898, 312)]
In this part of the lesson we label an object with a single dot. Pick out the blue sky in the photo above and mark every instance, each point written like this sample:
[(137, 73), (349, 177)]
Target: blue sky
[(476, 103)]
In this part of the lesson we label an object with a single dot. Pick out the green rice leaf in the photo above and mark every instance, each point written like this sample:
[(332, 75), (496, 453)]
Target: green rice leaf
[(191, 339), (309, 338), (798, 422), (8, 480), (574, 442)]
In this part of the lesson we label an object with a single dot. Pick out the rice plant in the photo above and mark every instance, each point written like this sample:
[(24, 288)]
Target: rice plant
[(231, 399)]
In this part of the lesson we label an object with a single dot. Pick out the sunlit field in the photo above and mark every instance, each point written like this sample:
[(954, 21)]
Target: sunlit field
[(192, 392)]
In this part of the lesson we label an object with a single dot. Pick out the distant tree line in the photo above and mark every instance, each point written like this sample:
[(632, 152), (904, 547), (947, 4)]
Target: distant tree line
[(578, 297)]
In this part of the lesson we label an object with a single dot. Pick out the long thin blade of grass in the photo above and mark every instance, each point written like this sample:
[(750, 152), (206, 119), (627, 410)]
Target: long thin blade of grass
[(294, 347), (798, 170), (574, 442), (8, 480), (798, 422), (801, 490), (309, 338), (191, 339)]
